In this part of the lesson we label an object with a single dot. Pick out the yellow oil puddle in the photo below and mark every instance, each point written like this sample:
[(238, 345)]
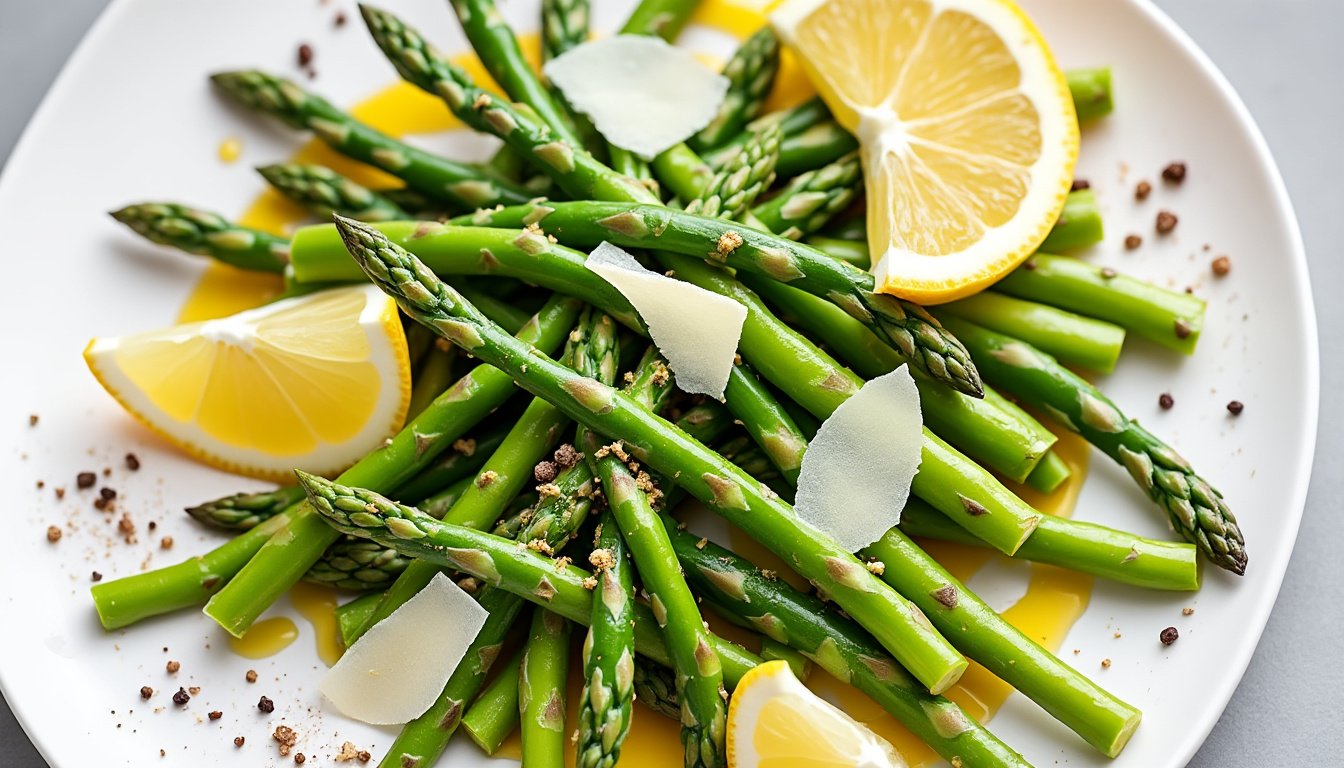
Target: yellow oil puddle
[(1053, 600), (317, 604), (266, 638)]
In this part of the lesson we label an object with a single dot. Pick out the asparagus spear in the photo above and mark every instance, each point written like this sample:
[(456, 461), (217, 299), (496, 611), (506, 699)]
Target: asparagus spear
[(681, 171), (1072, 339), (552, 584), (564, 25), (431, 379), (990, 430), (663, 18), (463, 459), (557, 516), (656, 688), (206, 234), (350, 615), (605, 708), (791, 122), (287, 556), (737, 185), (750, 72), (494, 714), (498, 50), (1080, 546), (324, 192), (1171, 319), (768, 423), (440, 179), (1078, 226), (814, 147), (1101, 719), (905, 326), (541, 690), (745, 595), (573, 168), (718, 484), (1196, 509), (356, 564), (244, 511), (812, 199), (1091, 91), (699, 673)]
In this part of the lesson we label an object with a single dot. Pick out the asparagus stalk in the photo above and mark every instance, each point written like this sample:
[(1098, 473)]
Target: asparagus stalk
[(324, 192), (990, 430), (349, 616), (552, 584), (1169, 318), (768, 423), (737, 185), (541, 690), (1079, 224), (656, 688), (431, 379), (206, 234), (751, 72), (1049, 474), (356, 564), (494, 714), (1082, 547), (498, 50), (1091, 91), (663, 18), (715, 482), (681, 171), (903, 325), (289, 554), (430, 175), (606, 704), (1070, 338), (564, 25), (1196, 509), (1101, 719), (699, 673), (791, 122), (812, 199), (573, 168), (817, 146), (245, 511), (462, 460), (747, 596)]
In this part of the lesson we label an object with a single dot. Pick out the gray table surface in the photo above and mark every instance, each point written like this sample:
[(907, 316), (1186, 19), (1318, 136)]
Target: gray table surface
[(1285, 60)]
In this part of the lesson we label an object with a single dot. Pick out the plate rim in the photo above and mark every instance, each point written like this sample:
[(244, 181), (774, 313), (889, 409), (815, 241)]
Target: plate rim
[(1240, 658)]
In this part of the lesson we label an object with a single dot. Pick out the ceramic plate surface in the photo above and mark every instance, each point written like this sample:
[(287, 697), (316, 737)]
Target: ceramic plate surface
[(133, 118)]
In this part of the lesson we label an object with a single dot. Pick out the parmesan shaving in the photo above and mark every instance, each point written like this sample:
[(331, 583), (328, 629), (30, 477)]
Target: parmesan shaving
[(390, 675), (857, 471), (696, 330), (641, 93)]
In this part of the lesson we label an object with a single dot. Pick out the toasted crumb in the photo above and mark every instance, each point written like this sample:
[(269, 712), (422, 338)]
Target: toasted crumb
[(1165, 401), (1174, 173), (85, 480), (286, 738), (481, 101), (1116, 635), (562, 562), (486, 478), (215, 715), (1080, 184), (239, 741), (590, 583), (728, 242), (251, 676), (300, 759), (33, 418), (266, 705), (1142, 191), (146, 692), (465, 446), (1221, 266), (876, 567), (701, 543), (1235, 407), (548, 491), (567, 456), (1132, 242), (166, 543), (1105, 663), (1187, 611), (181, 697), (601, 559), (545, 471), (173, 667), (95, 577), (53, 534), (348, 752)]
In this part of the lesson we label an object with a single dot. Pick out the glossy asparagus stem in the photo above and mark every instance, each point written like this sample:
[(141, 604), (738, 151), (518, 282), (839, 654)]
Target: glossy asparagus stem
[(1169, 318), (737, 185), (203, 233), (1071, 338), (751, 72), (605, 709), (1080, 546), (541, 690), (324, 192), (1100, 718), (812, 199), (1195, 509), (1079, 224), (445, 180), (663, 18), (1091, 91), (493, 716)]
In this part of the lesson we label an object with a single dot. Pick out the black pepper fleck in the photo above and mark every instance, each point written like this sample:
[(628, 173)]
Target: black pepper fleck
[(132, 462), (305, 55), (1174, 173), (1169, 635), (1080, 184), (1235, 407), (1165, 401), (146, 691), (266, 705), (181, 697), (85, 480)]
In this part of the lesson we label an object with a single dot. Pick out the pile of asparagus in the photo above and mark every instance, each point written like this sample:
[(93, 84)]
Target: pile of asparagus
[(513, 496)]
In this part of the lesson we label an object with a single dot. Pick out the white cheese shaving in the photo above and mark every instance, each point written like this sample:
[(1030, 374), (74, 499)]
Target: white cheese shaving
[(641, 93), (857, 471), (391, 675), (696, 330)]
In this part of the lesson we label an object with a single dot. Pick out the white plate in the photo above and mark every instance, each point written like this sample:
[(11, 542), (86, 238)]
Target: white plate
[(132, 118)]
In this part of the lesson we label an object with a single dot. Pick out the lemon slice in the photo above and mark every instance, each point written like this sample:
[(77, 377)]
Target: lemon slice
[(967, 130), (313, 382), (774, 721)]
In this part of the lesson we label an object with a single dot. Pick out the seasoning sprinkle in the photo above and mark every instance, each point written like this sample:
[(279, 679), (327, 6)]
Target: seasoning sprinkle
[(1235, 407), (266, 705), (1165, 401), (181, 697), (1142, 191), (85, 480), (1166, 222), (1174, 173), (1132, 242), (1169, 635), (1221, 266)]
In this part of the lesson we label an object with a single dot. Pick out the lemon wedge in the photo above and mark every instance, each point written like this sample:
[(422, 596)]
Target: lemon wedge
[(313, 382), (966, 127), (774, 721)]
